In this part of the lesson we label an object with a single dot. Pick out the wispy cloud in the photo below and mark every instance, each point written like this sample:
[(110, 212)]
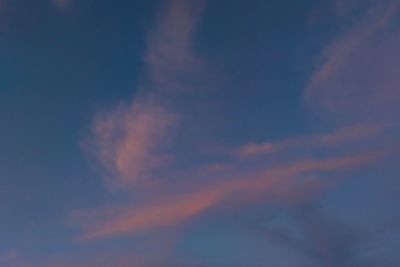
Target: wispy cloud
[(135, 142), (351, 78), (130, 140), (171, 61), (357, 133), (282, 182)]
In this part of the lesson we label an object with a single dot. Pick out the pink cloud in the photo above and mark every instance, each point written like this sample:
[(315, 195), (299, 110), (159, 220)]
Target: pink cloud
[(169, 47), (133, 142), (255, 149), (358, 73), (166, 213), (250, 186), (359, 132), (130, 141)]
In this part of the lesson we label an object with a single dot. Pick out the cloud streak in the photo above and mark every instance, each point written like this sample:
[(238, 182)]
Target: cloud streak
[(357, 133), (279, 182)]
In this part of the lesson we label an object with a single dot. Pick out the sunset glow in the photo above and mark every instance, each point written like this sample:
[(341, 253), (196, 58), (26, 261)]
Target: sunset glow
[(199, 133)]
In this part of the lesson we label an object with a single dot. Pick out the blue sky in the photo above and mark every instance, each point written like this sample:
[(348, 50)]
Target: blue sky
[(199, 133)]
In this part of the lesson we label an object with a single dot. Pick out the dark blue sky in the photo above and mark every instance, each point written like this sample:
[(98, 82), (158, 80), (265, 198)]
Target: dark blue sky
[(199, 133)]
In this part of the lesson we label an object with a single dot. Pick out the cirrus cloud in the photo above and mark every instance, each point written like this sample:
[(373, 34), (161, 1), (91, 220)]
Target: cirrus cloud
[(358, 72)]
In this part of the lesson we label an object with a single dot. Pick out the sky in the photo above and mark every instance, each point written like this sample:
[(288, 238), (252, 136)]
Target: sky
[(199, 133)]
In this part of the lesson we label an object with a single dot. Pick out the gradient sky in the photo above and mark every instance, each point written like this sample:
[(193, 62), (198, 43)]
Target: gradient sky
[(199, 133)]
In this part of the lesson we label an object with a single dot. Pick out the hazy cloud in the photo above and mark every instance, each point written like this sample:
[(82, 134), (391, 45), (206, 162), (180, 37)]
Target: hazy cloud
[(358, 72), (129, 141), (8, 257)]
